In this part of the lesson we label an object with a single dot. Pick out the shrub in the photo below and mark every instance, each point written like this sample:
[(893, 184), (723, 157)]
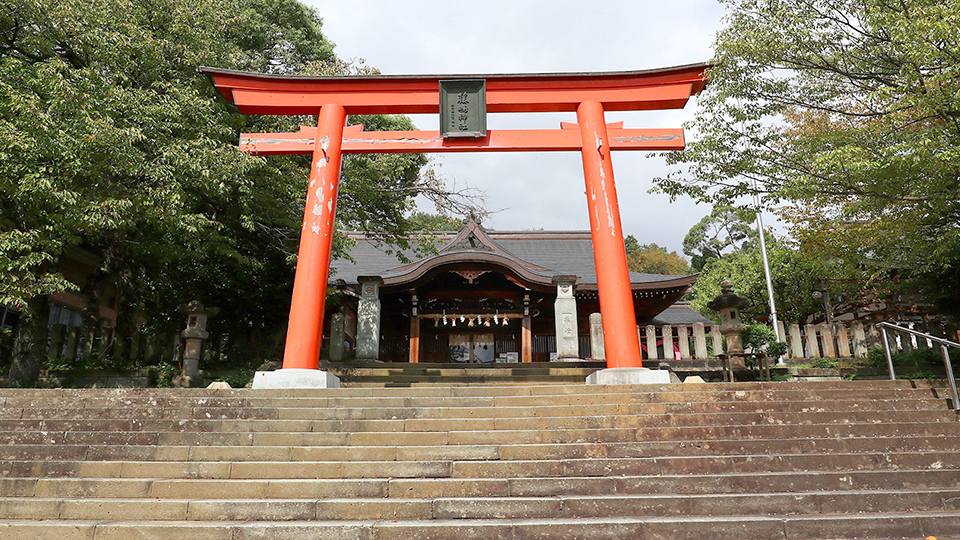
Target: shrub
[(825, 363), (761, 339)]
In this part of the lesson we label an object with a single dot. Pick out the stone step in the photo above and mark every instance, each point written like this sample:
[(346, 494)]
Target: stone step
[(485, 437), (823, 445), (686, 484), (876, 459), (439, 468), (939, 524), (818, 387), (489, 424), (593, 506), (260, 398), (296, 411)]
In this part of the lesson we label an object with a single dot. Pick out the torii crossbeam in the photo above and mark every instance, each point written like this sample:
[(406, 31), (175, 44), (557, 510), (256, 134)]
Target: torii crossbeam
[(333, 98)]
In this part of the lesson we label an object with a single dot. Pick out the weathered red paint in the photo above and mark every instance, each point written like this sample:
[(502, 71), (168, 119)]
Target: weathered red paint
[(619, 320), (589, 94), (256, 93), (302, 348), (507, 140)]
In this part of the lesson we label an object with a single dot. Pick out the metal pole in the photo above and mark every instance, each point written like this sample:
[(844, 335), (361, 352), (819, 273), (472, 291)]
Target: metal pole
[(886, 348), (619, 319), (953, 381), (766, 271)]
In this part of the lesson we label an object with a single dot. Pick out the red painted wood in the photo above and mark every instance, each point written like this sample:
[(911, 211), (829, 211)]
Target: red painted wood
[(613, 278), (302, 348), (526, 140), (589, 94), (646, 98)]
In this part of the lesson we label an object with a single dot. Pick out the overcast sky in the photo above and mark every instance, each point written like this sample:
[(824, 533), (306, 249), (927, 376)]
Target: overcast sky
[(540, 190)]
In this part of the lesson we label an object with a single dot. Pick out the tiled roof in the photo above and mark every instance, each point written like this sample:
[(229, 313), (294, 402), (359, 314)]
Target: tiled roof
[(546, 253), (679, 314)]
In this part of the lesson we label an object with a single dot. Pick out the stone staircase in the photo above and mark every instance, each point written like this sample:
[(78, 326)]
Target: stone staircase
[(871, 459), (403, 374)]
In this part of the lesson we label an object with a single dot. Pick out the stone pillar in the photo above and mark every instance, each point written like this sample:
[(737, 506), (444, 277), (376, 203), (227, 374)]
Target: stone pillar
[(667, 332), (683, 340), (859, 341), (813, 348), (843, 341), (597, 352), (828, 349), (717, 338), (699, 341), (651, 332), (337, 335), (565, 316), (796, 341), (368, 318)]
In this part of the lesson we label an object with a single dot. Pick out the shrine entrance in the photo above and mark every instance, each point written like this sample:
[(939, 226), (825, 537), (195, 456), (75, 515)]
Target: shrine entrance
[(462, 103)]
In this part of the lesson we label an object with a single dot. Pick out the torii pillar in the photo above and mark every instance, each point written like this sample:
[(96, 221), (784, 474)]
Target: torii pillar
[(332, 98)]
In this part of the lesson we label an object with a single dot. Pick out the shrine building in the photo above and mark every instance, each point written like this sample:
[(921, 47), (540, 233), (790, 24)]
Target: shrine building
[(485, 296)]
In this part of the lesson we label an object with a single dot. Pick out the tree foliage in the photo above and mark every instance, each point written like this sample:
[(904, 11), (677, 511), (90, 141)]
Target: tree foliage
[(653, 259), (725, 229), (427, 222), (847, 113), (795, 275), (111, 141)]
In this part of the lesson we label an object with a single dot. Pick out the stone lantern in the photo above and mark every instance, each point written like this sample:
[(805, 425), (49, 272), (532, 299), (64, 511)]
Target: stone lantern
[(728, 304), (193, 337)]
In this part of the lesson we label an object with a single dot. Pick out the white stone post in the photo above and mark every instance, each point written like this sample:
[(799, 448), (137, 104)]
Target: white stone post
[(368, 318), (813, 348), (843, 341), (667, 332), (828, 349), (683, 339), (717, 338), (699, 341), (597, 352), (796, 341), (565, 316), (651, 332), (859, 341)]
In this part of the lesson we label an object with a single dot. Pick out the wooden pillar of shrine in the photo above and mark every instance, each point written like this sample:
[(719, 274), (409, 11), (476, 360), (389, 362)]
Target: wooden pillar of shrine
[(613, 278), (414, 329), (526, 332), (302, 348)]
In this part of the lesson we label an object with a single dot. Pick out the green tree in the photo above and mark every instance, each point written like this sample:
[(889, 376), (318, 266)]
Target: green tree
[(111, 141), (427, 222), (653, 259), (848, 114), (725, 229)]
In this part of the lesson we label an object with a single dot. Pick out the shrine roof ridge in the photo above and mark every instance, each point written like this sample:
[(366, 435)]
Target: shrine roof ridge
[(271, 93), (210, 71)]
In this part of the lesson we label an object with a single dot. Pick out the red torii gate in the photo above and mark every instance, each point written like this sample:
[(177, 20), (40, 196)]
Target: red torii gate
[(332, 98)]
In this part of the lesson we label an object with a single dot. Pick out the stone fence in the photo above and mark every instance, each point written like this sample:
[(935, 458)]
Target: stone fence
[(701, 341), (837, 340)]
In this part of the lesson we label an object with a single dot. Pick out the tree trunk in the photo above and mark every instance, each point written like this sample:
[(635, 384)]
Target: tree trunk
[(30, 348)]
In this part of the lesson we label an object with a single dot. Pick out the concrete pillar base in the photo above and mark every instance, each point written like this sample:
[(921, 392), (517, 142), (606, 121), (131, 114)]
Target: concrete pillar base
[(295, 378), (629, 375)]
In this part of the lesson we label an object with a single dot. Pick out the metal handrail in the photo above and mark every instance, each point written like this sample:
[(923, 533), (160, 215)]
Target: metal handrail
[(944, 343)]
